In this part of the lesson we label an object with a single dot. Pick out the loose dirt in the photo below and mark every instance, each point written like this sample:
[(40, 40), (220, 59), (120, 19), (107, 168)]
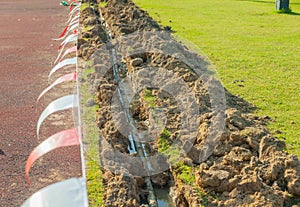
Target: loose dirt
[(247, 165)]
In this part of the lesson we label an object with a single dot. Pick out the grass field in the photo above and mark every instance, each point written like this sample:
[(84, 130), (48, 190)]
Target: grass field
[(246, 40)]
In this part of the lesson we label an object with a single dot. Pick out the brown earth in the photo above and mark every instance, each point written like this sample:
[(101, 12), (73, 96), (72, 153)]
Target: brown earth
[(248, 166), (26, 56)]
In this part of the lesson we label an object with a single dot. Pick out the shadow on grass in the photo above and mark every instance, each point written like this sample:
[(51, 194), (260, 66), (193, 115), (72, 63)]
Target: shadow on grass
[(233, 101), (290, 13), (280, 12)]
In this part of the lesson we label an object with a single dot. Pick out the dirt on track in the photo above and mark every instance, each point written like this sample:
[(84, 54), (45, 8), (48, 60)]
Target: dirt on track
[(26, 56)]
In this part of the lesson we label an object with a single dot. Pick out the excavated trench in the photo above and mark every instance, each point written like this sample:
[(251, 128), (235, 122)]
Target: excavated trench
[(167, 127)]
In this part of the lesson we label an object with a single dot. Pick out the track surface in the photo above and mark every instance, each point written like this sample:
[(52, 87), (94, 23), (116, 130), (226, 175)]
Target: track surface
[(26, 53)]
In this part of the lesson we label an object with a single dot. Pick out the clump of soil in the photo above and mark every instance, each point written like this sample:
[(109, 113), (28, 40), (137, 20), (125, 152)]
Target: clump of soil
[(250, 168), (247, 166), (125, 18)]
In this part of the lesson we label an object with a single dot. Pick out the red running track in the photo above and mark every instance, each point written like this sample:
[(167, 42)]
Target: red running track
[(26, 56)]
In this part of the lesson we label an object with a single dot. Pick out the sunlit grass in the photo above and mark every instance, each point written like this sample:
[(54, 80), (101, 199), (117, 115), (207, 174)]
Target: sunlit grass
[(246, 40), (95, 184)]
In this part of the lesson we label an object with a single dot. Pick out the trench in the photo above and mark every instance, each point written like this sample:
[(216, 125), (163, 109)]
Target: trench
[(156, 196), (222, 166), (163, 197)]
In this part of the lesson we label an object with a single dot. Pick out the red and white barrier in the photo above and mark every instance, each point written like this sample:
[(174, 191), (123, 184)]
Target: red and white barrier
[(71, 192)]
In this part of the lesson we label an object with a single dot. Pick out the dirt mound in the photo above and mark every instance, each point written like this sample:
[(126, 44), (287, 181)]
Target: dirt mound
[(125, 18), (245, 166), (250, 168)]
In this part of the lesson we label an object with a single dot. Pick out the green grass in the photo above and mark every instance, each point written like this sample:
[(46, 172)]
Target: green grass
[(285, 11), (246, 40), (163, 141), (185, 173), (170, 150), (149, 98), (102, 4), (84, 6), (94, 184), (93, 172), (87, 28), (86, 39)]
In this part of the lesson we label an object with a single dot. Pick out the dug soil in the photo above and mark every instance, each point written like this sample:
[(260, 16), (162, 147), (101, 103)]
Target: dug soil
[(247, 165)]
